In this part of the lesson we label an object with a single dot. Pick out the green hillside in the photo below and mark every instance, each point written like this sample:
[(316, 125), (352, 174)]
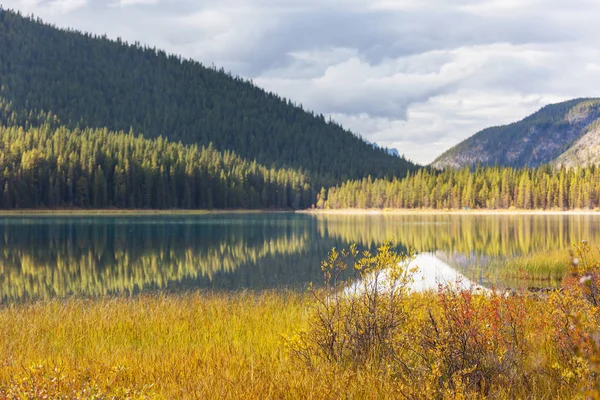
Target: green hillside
[(94, 82)]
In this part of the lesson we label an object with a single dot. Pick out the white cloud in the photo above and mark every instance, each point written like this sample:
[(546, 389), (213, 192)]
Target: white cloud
[(127, 3), (51, 9), (66, 6)]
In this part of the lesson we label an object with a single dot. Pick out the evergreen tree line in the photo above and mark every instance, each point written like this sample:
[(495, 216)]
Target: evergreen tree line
[(91, 81), (545, 187), (95, 168)]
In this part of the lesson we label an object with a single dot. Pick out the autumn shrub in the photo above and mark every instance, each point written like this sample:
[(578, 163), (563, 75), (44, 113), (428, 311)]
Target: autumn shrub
[(475, 342), (584, 276), (362, 322), (450, 343), (574, 319)]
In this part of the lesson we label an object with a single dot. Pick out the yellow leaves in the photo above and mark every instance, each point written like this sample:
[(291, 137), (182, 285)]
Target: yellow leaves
[(31, 159), (455, 344)]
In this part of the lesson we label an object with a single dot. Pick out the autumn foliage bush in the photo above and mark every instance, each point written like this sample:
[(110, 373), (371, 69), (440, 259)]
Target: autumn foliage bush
[(455, 343), (362, 323)]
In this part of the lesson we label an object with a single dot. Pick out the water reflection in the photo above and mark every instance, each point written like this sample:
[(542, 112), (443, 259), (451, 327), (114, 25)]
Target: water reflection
[(430, 274), (433, 272), (487, 235), (46, 257), (43, 257)]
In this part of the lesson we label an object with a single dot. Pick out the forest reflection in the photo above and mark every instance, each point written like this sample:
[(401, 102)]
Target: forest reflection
[(480, 235), (42, 258), (45, 257)]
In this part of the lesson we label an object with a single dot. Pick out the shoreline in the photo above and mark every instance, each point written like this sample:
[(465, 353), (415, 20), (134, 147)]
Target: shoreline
[(371, 211), (345, 211), (126, 212)]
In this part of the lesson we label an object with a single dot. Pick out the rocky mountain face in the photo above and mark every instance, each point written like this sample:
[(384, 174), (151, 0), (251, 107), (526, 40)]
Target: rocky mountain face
[(585, 151), (566, 133)]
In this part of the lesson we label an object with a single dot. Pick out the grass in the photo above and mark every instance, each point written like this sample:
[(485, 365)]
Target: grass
[(316, 345), (213, 346), (545, 269), (193, 346)]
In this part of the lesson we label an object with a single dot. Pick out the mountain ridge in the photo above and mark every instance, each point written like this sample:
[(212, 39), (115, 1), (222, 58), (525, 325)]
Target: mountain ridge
[(541, 138)]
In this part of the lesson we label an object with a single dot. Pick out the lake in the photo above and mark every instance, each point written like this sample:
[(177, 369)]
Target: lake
[(89, 256)]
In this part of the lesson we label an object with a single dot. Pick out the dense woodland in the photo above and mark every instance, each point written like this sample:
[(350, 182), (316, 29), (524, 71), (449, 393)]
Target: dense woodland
[(545, 188), (91, 81), (95, 168)]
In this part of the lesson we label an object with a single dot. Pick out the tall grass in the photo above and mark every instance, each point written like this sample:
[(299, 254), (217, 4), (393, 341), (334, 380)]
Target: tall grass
[(194, 345), (541, 269), (451, 344)]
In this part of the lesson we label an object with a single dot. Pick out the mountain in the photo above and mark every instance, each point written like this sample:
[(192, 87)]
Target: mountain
[(88, 81), (585, 151), (393, 152), (390, 151), (566, 133)]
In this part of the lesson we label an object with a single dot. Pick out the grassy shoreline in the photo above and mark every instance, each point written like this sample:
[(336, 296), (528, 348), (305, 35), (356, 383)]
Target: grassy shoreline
[(356, 211), (195, 345), (373, 342), (109, 212), (347, 211)]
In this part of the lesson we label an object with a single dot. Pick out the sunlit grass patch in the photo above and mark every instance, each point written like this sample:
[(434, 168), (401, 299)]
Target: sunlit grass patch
[(186, 345), (539, 269)]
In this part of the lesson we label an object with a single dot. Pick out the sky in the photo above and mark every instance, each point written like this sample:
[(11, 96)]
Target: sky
[(416, 75)]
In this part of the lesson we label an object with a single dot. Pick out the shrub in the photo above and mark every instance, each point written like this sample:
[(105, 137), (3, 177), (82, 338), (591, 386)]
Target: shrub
[(574, 318), (475, 342), (453, 343), (362, 322)]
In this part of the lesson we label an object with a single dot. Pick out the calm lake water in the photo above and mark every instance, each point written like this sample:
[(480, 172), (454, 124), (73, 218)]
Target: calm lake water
[(44, 257)]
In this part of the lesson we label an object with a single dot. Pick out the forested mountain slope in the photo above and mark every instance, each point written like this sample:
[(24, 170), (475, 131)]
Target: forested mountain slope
[(539, 139), (94, 82)]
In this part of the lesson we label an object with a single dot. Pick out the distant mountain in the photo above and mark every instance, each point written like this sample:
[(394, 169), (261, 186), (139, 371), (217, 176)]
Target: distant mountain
[(390, 151), (393, 152), (88, 81), (566, 133)]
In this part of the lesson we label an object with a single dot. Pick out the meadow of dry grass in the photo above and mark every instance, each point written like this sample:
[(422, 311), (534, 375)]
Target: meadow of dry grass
[(288, 345), (197, 345)]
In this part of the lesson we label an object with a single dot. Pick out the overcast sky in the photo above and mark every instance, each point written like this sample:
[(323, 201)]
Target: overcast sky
[(416, 75)]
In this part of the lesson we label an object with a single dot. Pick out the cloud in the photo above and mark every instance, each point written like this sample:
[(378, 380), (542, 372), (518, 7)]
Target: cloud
[(50, 8), (127, 3), (417, 75)]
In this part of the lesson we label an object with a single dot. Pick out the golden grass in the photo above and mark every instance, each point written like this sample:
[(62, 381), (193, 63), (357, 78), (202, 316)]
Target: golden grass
[(166, 346), (544, 269), (204, 345), (184, 346)]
